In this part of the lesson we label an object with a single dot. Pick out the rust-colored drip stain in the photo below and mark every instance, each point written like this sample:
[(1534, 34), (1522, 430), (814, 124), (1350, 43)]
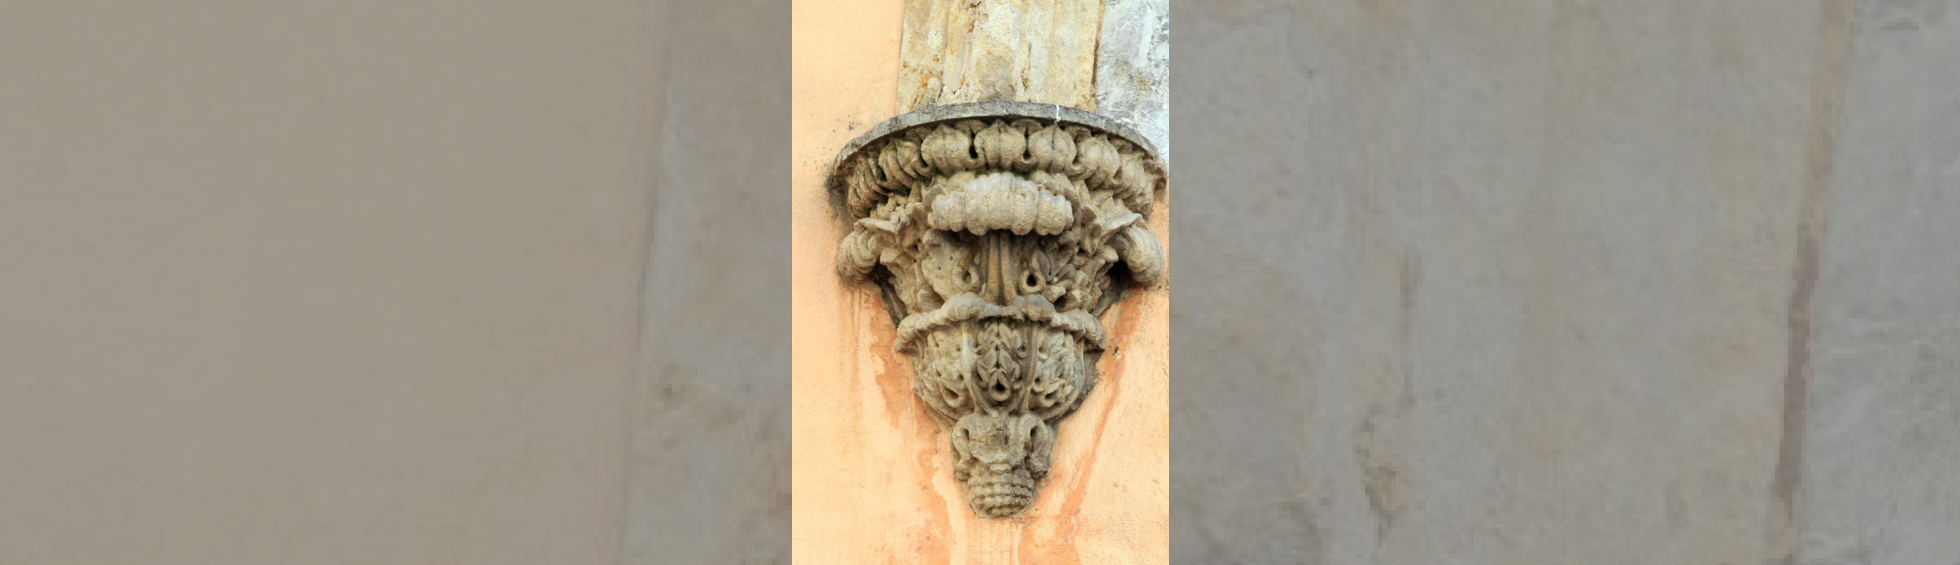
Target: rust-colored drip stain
[(936, 548), (902, 413), (1051, 535), (853, 303), (894, 378)]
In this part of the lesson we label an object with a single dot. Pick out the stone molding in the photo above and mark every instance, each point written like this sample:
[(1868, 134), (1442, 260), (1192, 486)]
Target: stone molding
[(994, 231)]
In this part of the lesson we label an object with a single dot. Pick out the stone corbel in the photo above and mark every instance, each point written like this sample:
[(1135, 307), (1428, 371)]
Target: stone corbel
[(999, 233)]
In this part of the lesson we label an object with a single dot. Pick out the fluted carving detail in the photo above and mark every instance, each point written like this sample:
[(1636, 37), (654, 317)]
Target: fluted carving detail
[(997, 240)]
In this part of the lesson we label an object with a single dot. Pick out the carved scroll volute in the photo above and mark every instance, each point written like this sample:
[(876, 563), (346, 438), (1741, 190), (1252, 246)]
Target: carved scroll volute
[(1001, 231)]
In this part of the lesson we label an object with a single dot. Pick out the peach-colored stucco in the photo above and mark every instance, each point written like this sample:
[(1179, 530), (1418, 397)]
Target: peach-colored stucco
[(872, 481)]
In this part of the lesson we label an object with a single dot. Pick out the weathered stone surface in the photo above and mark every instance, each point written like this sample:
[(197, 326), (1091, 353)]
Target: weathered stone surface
[(1133, 68), (875, 478), (1881, 461), (958, 51), (995, 230)]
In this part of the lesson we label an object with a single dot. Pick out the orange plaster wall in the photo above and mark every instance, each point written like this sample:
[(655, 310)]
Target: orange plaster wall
[(872, 480)]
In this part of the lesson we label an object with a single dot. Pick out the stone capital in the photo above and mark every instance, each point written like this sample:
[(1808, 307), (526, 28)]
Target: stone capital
[(998, 233)]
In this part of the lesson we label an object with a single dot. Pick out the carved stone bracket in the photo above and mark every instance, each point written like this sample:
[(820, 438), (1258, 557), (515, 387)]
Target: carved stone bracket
[(995, 231)]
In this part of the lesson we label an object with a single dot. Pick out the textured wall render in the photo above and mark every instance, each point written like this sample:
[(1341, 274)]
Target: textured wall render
[(1520, 285), (1881, 463), (710, 453)]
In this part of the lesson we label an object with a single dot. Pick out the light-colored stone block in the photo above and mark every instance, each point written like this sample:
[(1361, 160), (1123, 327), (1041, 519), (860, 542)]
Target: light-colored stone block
[(960, 51), (1133, 68)]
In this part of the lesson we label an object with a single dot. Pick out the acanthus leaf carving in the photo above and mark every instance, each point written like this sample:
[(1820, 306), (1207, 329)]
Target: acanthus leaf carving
[(995, 231)]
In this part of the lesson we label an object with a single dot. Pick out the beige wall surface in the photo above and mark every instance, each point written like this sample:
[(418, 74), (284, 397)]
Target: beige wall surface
[(872, 472), (324, 282)]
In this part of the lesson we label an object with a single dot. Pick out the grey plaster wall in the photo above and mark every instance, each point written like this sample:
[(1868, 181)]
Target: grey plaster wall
[(1881, 475), (710, 454), (321, 283), (1535, 281)]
